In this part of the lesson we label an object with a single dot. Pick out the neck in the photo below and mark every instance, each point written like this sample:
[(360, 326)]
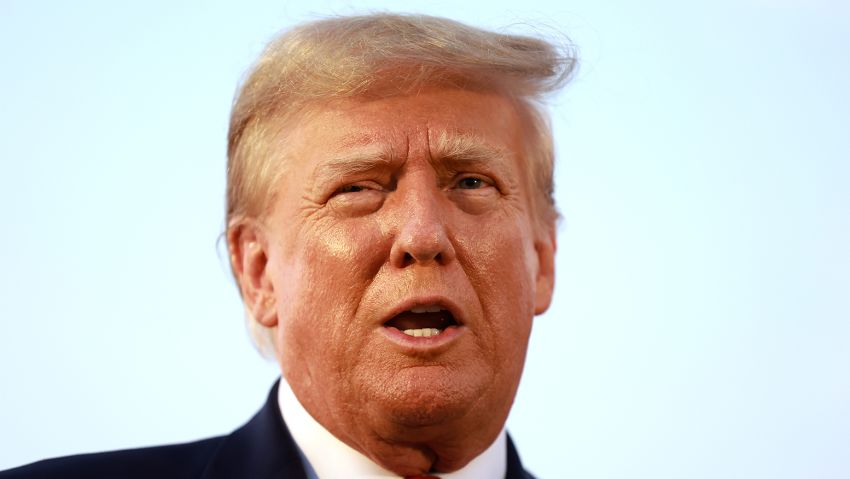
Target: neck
[(385, 458)]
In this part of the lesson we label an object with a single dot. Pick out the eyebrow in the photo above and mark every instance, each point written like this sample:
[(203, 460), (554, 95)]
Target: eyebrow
[(357, 162), (462, 148)]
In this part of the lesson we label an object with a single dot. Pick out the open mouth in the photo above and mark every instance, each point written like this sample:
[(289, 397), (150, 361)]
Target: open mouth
[(423, 321)]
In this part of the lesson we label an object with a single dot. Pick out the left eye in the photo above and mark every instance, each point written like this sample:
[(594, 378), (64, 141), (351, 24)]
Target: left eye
[(470, 183)]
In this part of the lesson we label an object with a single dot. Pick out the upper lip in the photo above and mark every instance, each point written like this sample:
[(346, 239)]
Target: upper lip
[(441, 301)]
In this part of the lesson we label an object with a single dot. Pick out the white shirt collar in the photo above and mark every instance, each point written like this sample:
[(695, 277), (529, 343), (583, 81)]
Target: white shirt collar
[(325, 456)]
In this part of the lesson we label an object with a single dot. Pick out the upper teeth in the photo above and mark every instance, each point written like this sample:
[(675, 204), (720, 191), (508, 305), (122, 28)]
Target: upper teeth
[(426, 309), (426, 332)]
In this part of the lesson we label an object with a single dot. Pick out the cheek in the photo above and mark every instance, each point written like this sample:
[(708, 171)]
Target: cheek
[(499, 262), (335, 260), (323, 285)]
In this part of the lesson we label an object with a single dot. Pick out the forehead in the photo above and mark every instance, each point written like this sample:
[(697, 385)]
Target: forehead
[(406, 125)]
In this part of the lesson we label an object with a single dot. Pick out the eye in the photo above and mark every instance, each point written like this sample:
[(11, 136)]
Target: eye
[(357, 198), (351, 189), (474, 193), (471, 183)]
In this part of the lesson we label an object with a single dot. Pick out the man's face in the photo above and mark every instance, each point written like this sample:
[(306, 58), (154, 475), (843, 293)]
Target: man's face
[(403, 268)]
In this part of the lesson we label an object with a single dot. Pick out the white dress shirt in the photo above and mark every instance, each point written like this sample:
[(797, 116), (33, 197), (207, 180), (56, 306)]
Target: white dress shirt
[(326, 457)]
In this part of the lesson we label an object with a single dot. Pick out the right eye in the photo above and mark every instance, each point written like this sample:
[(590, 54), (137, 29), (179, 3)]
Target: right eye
[(357, 199), (351, 189)]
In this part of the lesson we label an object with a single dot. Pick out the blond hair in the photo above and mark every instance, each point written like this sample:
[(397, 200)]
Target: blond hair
[(384, 55)]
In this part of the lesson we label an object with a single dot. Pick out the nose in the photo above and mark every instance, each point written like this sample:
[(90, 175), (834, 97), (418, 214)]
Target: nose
[(422, 236)]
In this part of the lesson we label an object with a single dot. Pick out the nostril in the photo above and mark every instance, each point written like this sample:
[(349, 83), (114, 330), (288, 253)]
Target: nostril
[(409, 249), (408, 258)]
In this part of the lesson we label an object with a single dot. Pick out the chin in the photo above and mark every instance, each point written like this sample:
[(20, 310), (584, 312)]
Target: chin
[(423, 397)]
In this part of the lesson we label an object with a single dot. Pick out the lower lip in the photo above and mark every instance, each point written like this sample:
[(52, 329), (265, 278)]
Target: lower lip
[(423, 343)]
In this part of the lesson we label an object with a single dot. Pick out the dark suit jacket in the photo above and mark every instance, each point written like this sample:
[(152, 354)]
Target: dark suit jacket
[(261, 449)]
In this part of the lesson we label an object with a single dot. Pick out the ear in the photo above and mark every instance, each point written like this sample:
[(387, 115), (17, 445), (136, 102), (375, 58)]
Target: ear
[(545, 247), (248, 248)]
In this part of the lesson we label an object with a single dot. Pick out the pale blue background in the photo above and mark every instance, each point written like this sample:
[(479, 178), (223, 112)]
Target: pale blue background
[(701, 325)]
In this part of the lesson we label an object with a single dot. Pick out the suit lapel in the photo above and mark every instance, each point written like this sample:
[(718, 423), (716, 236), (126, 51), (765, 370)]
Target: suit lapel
[(515, 470), (261, 449)]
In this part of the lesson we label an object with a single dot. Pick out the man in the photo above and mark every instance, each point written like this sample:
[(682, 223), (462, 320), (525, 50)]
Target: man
[(391, 228)]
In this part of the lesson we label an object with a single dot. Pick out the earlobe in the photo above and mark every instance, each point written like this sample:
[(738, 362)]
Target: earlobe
[(545, 247), (249, 259)]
